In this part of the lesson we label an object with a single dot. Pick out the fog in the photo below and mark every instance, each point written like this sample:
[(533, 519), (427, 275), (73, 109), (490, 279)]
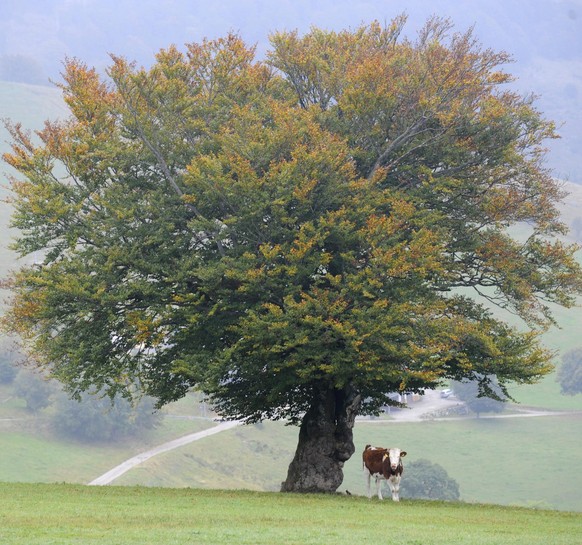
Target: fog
[(545, 38)]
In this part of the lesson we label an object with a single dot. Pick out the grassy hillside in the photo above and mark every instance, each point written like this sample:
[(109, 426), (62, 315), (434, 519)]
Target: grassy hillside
[(30, 457), (29, 105), (67, 515), (473, 452), (494, 461), (32, 452)]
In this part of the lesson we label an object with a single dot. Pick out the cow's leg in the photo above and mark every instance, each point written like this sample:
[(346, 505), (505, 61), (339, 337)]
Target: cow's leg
[(390, 481), (368, 476), (394, 482), (379, 488)]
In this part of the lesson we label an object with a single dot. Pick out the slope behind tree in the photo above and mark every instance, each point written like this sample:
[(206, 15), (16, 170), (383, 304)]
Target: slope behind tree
[(290, 237)]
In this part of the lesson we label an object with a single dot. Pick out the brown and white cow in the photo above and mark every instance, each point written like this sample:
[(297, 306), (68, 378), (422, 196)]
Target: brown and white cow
[(383, 464)]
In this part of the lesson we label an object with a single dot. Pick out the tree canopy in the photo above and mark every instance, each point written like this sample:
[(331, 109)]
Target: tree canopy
[(297, 236), (427, 481)]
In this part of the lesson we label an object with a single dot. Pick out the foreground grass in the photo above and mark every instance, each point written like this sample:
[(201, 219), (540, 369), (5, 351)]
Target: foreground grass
[(71, 514)]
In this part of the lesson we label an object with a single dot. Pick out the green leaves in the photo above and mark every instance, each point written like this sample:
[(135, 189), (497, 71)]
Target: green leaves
[(264, 230)]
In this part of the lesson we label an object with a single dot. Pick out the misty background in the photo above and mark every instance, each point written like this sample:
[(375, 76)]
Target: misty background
[(40, 439), (544, 37)]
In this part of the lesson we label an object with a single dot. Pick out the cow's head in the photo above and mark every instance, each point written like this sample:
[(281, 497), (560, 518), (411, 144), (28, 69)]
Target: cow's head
[(393, 456)]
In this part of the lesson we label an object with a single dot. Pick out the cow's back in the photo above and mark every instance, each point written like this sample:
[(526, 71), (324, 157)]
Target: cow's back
[(372, 458)]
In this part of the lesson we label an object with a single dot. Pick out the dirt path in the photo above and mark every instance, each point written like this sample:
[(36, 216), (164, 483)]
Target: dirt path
[(431, 404), (124, 467), (417, 412)]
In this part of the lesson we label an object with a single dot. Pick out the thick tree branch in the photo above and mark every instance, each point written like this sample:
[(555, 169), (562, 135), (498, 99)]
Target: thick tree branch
[(172, 181), (398, 142)]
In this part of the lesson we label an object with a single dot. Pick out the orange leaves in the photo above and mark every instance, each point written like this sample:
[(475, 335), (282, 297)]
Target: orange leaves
[(26, 156), (318, 64), (89, 99), (303, 191), (26, 306), (300, 248), (400, 245), (147, 330), (216, 61), (401, 214), (499, 251), (387, 96)]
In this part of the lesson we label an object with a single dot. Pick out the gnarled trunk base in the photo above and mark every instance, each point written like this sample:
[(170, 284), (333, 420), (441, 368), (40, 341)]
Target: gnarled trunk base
[(325, 442)]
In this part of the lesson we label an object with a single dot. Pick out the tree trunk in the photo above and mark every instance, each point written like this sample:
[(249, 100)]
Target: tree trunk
[(325, 442)]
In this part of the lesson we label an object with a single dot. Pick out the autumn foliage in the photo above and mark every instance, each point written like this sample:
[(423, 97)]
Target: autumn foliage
[(297, 236)]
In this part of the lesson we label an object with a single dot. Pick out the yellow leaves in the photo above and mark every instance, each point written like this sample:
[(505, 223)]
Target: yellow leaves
[(189, 198), (301, 248), (204, 168), (142, 326), (273, 309), (491, 109), (384, 226), (302, 191), (498, 78), (400, 247), (146, 328), (270, 251), (89, 99), (23, 313)]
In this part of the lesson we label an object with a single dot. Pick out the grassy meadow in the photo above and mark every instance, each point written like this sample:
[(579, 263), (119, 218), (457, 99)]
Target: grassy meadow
[(74, 515), (27, 456), (528, 462), (32, 452), (499, 460), (494, 460), (516, 461)]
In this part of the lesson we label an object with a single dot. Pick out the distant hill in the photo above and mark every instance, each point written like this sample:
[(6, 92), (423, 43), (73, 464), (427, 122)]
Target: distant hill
[(29, 105)]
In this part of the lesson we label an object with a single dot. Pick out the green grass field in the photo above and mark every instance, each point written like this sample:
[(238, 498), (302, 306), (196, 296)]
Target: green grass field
[(32, 452), (75, 515), (28, 457), (494, 461), (517, 461), (474, 452)]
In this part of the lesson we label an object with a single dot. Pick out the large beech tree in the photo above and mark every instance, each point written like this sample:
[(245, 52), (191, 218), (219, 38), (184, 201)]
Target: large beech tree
[(297, 237)]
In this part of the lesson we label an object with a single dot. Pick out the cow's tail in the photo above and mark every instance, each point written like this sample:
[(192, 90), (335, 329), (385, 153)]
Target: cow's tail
[(364, 463)]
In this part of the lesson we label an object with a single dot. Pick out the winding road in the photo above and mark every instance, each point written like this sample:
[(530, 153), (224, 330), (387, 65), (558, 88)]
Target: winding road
[(124, 467), (417, 412)]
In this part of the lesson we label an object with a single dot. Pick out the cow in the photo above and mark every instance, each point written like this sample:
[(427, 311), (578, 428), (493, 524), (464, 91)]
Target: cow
[(383, 463)]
